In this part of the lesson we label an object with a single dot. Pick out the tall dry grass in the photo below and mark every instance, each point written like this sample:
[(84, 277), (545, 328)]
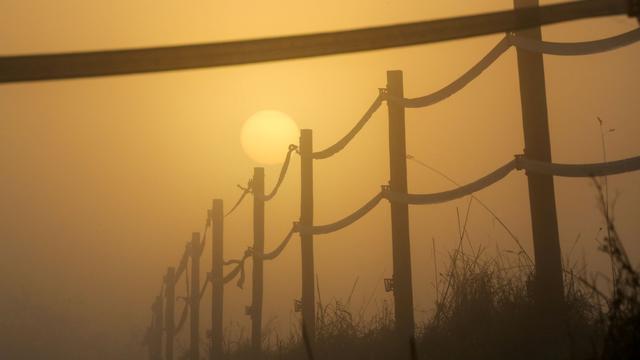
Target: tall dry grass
[(485, 310)]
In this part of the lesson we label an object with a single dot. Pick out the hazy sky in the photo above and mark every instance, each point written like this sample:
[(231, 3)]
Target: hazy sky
[(103, 180)]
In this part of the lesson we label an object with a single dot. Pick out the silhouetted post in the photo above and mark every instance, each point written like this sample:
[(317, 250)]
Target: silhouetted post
[(195, 296), (255, 311), (217, 285), (156, 329), (549, 293), (169, 317), (150, 336), (306, 221), (402, 286)]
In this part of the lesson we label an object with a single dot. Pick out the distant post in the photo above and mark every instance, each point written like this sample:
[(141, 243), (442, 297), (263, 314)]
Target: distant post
[(156, 329), (402, 283), (169, 317), (150, 336), (255, 311), (217, 285), (306, 221), (549, 289), (195, 296)]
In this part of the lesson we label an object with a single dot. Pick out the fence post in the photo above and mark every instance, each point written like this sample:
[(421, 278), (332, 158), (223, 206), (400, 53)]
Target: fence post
[(255, 311), (169, 316), (217, 284), (156, 329), (549, 291), (148, 339), (306, 221), (195, 296), (402, 282)]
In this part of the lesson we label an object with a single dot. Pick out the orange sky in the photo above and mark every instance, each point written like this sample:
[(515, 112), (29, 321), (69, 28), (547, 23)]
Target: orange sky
[(103, 180)]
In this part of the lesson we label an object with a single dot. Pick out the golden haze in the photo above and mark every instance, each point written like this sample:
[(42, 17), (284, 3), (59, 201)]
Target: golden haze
[(103, 180)]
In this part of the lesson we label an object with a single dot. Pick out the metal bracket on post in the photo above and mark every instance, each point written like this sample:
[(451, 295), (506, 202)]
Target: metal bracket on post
[(382, 92), (388, 285), (248, 252), (297, 305)]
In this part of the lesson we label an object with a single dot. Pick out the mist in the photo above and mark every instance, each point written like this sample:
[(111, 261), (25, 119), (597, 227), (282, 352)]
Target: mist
[(103, 180)]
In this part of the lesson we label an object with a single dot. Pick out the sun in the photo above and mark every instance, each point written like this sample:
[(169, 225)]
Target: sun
[(266, 136)]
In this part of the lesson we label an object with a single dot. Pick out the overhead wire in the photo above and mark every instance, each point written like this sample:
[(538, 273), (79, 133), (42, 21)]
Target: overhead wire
[(335, 148), (579, 170), (283, 173), (183, 268), (203, 237), (533, 45), (183, 316), (575, 48), (519, 163), (485, 206), (283, 244), (184, 260), (187, 301), (182, 265), (545, 47), (203, 288), (439, 197), (144, 60), (344, 222), (239, 269), (457, 84), (245, 190)]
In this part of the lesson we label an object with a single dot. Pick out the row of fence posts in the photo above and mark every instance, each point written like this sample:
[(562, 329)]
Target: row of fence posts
[(402, 288), (549, 291), (549, 284)]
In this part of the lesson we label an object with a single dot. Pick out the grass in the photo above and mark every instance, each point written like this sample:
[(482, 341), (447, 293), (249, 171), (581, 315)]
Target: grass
[(622, 340), (485, 310)]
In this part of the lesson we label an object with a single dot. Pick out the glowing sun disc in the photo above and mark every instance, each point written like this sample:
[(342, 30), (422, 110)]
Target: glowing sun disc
[(266, 135)]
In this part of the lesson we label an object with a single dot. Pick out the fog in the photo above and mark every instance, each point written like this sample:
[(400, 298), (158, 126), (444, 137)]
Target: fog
[(102, 181)]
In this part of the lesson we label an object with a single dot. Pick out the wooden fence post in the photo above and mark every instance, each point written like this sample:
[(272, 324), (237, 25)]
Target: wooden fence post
[(156, 329), (549, 289), (255, 311), (402, 280), (169, 316), (217, 288), (306, 221), (148, 339), (195, 296)]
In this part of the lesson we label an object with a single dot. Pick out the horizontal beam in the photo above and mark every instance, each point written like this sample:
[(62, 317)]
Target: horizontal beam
[(146, 60)]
